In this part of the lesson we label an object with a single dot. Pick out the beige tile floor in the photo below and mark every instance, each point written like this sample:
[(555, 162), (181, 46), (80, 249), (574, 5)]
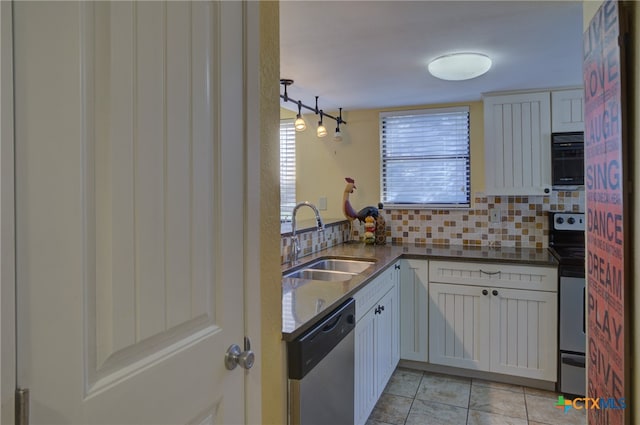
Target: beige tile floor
[(422, 398)]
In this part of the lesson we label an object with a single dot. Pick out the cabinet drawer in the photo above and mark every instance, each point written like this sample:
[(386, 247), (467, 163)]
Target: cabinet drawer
[(536, 278), (368, 296)]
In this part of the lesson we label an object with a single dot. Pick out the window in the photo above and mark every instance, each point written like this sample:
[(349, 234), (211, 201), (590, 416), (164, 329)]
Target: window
[(425, 158), (287, 169)]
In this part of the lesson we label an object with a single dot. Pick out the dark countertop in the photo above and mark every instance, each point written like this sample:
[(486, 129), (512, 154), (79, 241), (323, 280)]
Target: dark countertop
[(304, 302)]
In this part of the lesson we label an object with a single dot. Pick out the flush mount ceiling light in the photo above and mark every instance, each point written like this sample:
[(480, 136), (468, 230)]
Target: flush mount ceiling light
[(459, 66), (300, 124)]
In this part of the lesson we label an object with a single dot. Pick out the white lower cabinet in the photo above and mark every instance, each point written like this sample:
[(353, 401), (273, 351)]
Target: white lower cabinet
[(489, 327), (414, 302), (377, 341), (458, 336), (524, 333)]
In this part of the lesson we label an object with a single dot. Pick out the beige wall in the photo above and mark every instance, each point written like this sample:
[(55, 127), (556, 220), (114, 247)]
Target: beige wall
[(285, 114), (322, 164), (633, 91)]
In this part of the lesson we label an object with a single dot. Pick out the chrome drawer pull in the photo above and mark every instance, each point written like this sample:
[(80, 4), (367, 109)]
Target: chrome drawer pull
[(490, 273)]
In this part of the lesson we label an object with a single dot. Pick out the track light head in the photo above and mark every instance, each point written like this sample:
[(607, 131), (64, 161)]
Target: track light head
[(337, 137), (299, 124), (322, 130)]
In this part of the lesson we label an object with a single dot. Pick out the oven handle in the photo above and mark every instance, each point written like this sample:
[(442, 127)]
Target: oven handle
[(571, 361), (571, 271)]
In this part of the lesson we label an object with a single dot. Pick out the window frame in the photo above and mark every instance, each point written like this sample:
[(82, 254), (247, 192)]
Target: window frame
[(425, 111)]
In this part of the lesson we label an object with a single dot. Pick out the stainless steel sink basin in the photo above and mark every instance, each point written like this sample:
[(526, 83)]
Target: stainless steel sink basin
[(327, 275), (342, 265), (331, 269)]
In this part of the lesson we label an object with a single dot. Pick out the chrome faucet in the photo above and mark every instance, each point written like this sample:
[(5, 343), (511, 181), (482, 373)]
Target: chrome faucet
[(295, 243)]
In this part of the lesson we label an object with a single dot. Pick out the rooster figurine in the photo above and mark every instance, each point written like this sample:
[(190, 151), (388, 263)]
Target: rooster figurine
[(348, 210)]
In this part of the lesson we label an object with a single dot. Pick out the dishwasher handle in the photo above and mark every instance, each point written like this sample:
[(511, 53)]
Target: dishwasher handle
[(305, 352)]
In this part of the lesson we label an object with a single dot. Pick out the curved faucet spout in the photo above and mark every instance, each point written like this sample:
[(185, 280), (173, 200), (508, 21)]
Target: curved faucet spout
[(295, 245)]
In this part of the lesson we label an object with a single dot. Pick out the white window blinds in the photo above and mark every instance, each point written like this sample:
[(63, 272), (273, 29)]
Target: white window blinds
[(425, 158), (287, 169)]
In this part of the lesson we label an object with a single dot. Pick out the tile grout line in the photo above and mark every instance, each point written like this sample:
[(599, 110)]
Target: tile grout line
[(526, 409), (415, 395), (469, 401)]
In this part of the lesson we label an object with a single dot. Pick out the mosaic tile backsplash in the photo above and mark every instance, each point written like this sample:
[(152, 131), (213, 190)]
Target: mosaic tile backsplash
[(311, 241), (523, 223)]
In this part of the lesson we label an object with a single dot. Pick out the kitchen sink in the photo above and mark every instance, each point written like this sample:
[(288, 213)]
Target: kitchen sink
[(341, 265), (331, 269), (328, 275)]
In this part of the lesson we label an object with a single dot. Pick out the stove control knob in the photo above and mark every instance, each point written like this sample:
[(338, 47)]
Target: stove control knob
[(559, 220), (571, 220)]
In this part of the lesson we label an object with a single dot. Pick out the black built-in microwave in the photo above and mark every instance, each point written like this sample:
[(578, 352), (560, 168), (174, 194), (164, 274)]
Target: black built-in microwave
[(567, 160)]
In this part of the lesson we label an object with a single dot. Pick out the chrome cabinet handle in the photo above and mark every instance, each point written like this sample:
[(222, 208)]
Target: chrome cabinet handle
[(494, 292), (485, 292), (490, 273)]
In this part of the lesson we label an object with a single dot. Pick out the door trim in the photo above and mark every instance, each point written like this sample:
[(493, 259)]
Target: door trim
[(252, 136), (7, 220)]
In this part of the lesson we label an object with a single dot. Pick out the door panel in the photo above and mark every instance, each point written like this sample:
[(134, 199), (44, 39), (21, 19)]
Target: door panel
[(523, 333), (152, 161), (385, 322), (365, 379), (414, 302), (130, 255), (458, 330)]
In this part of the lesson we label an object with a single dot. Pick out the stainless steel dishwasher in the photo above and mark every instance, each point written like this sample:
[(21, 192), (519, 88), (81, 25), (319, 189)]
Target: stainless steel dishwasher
[(321, 375)]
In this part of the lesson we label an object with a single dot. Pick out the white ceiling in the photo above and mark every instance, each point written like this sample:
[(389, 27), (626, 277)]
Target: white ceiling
[(374, 54)]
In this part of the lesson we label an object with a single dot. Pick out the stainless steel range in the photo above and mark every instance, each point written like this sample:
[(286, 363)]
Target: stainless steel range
[(566, 243)]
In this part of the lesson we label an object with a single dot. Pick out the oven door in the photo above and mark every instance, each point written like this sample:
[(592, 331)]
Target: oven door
[(572, 314)]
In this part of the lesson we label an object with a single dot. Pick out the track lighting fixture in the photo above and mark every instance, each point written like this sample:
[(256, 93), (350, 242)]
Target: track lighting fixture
[(301, 125)]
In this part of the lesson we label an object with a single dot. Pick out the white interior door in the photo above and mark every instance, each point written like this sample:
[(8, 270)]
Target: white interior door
[(129, 210)]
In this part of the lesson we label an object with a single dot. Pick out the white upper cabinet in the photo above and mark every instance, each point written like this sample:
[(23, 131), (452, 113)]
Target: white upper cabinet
[(518, 143), (567, 110)]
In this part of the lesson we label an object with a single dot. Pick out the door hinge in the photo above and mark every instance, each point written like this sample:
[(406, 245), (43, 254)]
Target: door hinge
[(22, 406)]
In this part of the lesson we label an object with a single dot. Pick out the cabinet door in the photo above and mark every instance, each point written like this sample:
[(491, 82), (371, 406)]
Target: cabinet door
[(365, 395), (518, 144), (414, 304), (524, 333), (567, 112), (395, 329), (386, 338), (458, 326)]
